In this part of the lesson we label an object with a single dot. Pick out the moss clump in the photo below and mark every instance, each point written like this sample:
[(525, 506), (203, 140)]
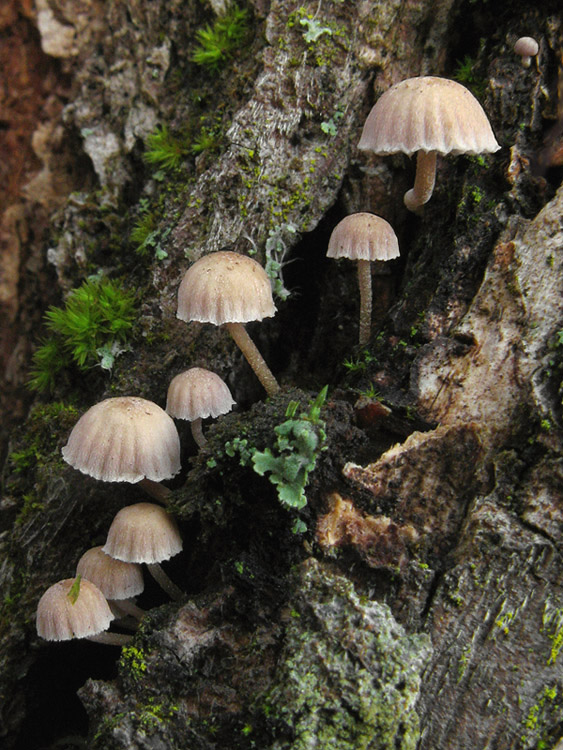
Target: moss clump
[(348, 675), (90, 330), (218, 42)]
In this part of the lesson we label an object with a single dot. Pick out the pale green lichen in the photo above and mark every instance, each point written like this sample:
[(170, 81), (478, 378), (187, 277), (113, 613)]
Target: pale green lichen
[(349, 675)]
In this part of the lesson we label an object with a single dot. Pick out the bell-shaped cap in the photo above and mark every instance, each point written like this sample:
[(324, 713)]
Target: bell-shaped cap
[(115, 579), (225, 287), (72, 608), (124, 439), (428, 114), (363, 236), (198, 393), (143, 533)]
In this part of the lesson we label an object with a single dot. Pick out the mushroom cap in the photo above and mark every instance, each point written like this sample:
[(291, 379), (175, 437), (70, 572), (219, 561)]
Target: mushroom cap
[(363, 236), (143, 533), (58, 619), (198, 393), (225, 287), (124, 439), (428, 114), (115, 579), (526, 46)]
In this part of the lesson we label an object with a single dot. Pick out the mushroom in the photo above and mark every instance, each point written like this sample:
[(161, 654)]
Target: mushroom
[(117, 580), (226, 288), (196, 394), (363, 237), (126, 439), (432, 116), (526, 47), (76, 608), (146, 533)]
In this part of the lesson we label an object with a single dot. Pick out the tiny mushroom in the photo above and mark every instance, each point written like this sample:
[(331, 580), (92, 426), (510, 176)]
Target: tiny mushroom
[(197, 394), (76, 608), (363, 237), (118, 581), (146, 533), (526, 47), (226, 288), (431, 116), (126, 439)]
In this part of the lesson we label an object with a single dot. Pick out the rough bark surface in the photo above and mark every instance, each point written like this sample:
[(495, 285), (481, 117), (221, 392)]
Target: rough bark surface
[(413, 596)]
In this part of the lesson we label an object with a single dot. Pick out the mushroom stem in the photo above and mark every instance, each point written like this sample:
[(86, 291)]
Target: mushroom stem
[(364, 281), (253, 357), (173, 591), (111, 639), (121, 607), (423, 182), (197, 432), (155, 490)]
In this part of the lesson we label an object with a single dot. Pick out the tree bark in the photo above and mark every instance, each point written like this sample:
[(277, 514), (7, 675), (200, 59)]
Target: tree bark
[(416, 601)]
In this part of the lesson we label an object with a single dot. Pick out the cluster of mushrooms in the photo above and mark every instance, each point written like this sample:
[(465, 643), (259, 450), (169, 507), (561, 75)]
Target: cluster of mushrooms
[(130, 439)]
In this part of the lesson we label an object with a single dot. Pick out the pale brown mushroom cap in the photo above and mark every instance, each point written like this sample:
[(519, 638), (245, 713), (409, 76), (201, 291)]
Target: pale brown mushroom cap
[(58, 619), (225, 287), (526, 46), (198, 393), (143, 533), (363, 236), (115, 579), (428, 114), (124, 439)]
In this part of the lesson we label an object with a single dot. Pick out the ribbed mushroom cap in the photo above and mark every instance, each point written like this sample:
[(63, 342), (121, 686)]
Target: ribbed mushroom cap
[(363, 236), (124, 439), (526, 46), (225, 287), (428, 114), (198, 393), (58, 619), (143, 533), (115, 579)]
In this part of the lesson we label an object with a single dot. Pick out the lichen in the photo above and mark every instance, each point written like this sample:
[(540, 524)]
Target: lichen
[(348, 675)]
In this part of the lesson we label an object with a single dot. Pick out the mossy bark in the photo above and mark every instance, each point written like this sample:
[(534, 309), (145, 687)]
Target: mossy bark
[(428, 582)]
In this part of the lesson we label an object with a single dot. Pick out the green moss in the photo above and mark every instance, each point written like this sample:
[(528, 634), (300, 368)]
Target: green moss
[(132, 659), (348, 675), (218, 42), (90, 330), (165, 150)]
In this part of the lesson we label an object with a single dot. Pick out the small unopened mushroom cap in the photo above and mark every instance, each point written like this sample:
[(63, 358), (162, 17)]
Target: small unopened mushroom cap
[(143, 533), (526, 46), (124, 439), (115, 579), (198, 393), (59, 619), (428, 114), (363, 236), (225, 287)]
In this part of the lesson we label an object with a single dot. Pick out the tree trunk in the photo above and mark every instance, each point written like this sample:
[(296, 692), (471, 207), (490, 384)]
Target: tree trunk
[(380, 569)]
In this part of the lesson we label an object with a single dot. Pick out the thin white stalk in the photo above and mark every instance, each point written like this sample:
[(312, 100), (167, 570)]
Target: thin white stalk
[(424, 181), (253, 357), (173, 591), (364, 281), (197, 432), (111, 639), (155, 489)]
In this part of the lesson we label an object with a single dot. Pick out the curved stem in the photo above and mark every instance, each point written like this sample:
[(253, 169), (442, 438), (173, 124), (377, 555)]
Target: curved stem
[(173, 591), (197, 432), (155, 489), (364, 281), (111, 639), (124, 607), (423, 182), (253, 357)]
